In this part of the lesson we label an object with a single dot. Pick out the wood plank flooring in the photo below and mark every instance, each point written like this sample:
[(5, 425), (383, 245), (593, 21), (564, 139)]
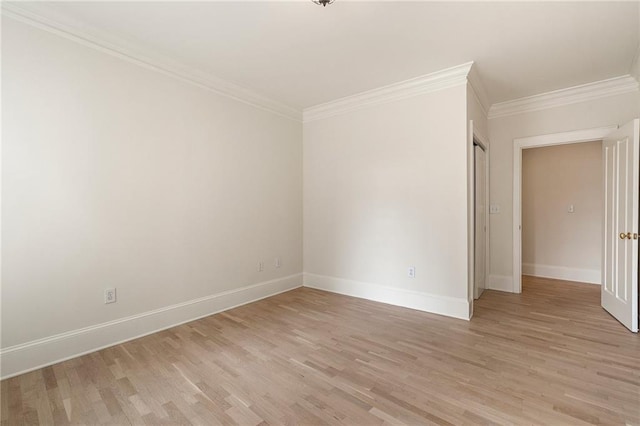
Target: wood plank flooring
[(548, 356)]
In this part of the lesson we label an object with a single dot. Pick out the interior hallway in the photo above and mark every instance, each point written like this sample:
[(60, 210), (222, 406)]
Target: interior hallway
[(551, 355)]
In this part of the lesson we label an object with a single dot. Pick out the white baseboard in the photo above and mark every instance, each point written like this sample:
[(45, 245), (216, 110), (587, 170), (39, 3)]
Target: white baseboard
[(443, 305), (591, 276), (500, 283), (40, 353)]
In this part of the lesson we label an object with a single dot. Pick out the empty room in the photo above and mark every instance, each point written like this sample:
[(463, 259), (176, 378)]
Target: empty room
[(319, 212)]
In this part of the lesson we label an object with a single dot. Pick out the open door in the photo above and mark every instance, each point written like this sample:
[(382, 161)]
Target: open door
[(620, 252), (480, 201)]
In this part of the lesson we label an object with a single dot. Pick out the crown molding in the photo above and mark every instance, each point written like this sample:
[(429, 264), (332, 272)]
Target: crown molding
[(450, 77), (107, 43), (439, 80), (571, 95)]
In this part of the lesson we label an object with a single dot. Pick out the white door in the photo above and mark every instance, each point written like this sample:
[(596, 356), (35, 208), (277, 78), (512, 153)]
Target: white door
[(480, 220), (620, 253)]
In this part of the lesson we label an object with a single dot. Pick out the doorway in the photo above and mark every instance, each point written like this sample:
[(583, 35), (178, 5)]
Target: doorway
[(519, 145), (562, 197)]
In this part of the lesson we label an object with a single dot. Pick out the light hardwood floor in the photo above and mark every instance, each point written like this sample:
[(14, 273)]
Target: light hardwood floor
[(548, 356)]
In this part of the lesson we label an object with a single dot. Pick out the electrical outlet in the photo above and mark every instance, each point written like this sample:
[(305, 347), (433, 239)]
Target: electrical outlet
[(260, 266), (411, 272), (494, 209), (277, 262), (109, 295)]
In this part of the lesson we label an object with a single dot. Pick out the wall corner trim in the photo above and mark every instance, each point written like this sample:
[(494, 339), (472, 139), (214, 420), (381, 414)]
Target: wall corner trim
[(438, 80), (478, 89), (71, 30), (442, 305), (25, 357), (571, 95)]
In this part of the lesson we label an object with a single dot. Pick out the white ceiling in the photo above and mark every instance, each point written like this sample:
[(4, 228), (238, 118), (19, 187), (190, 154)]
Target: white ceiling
[(302, 54)]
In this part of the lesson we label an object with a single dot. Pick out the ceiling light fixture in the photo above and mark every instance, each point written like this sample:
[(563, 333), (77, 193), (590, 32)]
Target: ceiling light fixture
[(323, 2)]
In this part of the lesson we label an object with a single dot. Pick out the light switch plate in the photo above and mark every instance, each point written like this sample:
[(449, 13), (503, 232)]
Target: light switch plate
[(109, 295)]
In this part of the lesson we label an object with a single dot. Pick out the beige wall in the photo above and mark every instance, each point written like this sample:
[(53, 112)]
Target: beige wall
[(114, 175), (555, 242), (608, 111), (385, 188)]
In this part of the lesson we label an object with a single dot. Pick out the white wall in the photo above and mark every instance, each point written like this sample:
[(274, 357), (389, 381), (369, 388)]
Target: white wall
[(114, 175), (555, 242), (385, 188), (503, 130)]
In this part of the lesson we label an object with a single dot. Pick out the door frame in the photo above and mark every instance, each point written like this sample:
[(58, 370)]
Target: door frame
[(476, 136), (563, 138)]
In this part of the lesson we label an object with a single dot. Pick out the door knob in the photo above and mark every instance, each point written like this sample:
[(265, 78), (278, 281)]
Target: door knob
[(628, 235)]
